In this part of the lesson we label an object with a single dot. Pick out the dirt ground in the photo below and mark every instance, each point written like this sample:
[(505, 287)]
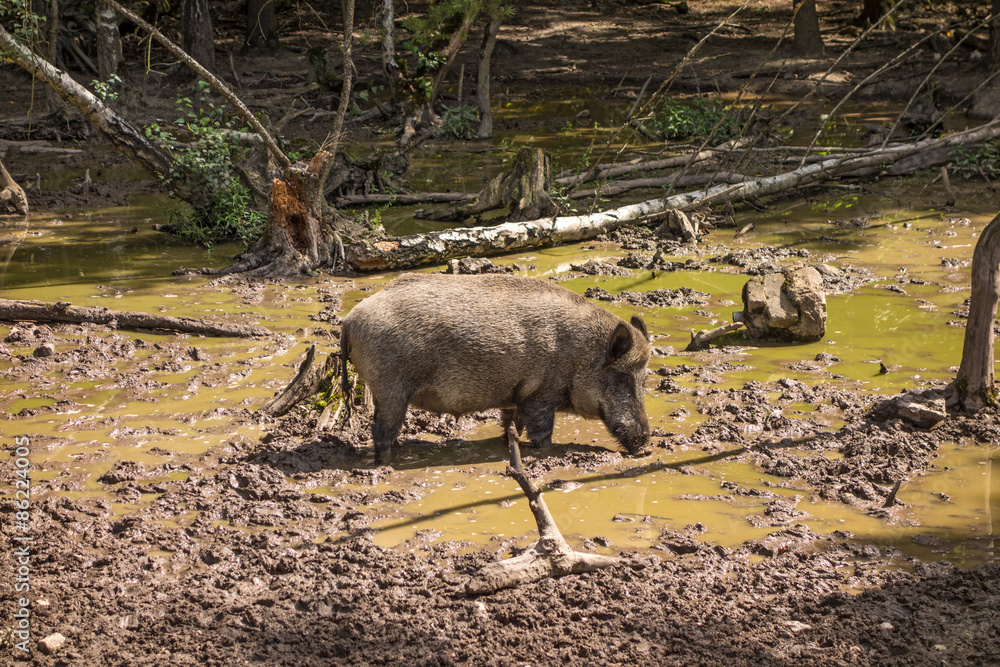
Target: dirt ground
[(250, 581)]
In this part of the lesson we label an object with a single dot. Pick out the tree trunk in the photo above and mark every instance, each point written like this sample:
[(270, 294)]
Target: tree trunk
[(41, 311), (808, 41), (11, 194), (388, 37), (483, 76), (450, 52), (299, 238), (262, 27), (109, 42), (974, 387), (995, 36), (196, 30)]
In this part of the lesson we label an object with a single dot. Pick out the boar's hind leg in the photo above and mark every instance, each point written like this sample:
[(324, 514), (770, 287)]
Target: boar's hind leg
[(389, 416), (539, 418), (512, 416)]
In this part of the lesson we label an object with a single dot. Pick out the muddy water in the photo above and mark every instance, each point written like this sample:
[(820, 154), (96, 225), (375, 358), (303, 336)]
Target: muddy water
[(82, 426)]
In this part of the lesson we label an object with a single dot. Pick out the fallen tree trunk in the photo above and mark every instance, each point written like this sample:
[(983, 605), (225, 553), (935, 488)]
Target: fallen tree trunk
[(42, 311), (437, 247), (611, 170), (674, 180)]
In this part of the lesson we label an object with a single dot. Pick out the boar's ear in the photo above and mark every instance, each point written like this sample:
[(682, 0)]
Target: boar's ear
[(620, 343), (640, 325)]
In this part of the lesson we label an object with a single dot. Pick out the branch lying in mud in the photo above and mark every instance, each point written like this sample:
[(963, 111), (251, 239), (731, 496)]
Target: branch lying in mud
[(549, 557), (404, 199), (42, 311), (674, 180), (603, 171), (406, 252), (701, 339)]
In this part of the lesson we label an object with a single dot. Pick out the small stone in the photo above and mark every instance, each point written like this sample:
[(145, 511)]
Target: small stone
[(52, 643), (797, 626), (44, 350), (886, 625)]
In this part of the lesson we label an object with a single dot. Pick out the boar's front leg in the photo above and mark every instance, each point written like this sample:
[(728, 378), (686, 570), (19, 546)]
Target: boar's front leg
[(389, 416), (539, 418)]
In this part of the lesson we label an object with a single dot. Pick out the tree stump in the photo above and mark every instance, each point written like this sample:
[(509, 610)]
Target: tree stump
[(523, 190), (973, 387), (11, 194)]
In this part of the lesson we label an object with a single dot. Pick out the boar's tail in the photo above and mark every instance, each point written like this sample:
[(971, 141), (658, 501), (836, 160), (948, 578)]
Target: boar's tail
[(345, 384)]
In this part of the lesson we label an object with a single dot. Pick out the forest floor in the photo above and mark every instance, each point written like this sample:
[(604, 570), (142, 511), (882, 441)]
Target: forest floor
[(249, 581)]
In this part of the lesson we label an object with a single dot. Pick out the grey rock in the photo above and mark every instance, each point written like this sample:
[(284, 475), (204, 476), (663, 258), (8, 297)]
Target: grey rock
[(785, 306)]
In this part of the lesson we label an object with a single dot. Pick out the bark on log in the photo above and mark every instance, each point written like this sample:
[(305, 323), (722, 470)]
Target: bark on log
[(42, 311), (437, 247), (549, 557), (973, 387)]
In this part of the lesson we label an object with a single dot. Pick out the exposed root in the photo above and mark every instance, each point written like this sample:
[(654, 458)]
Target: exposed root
[(550, 556)]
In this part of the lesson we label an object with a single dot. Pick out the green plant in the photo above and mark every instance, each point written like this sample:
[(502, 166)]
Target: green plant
[(24, 23), (981, 161), (107, 90), (428, 36), (697, 119), (224, 208), (460, 122)]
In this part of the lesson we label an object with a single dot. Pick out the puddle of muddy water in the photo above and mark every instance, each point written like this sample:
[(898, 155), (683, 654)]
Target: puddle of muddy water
[(94, 259)]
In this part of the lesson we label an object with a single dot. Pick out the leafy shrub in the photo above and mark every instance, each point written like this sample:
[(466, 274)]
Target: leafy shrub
[(460, 122), (224, 209), (982, 161), (677, 120)]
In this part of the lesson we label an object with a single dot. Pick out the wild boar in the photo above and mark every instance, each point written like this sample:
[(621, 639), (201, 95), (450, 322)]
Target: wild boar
[(466, 343)]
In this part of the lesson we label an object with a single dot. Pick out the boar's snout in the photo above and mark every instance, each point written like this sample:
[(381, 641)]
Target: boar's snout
[(632, 432)]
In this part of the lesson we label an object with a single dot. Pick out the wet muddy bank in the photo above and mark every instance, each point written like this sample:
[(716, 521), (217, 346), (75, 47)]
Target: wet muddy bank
[(127, 590)]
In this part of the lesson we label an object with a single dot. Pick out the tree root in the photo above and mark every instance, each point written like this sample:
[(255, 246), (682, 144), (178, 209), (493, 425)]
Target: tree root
[(551, 556), (306, 383), (701, 339)]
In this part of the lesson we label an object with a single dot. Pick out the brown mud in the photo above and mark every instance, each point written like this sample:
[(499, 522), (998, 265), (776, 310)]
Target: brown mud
[(260, 550)]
